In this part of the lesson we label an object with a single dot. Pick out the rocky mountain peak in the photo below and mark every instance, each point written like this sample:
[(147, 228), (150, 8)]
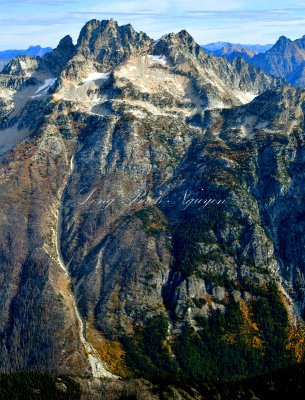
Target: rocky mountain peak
[(233, 51), (174, 43), (66, 44), (93, 28), (239, 63), (300, 42), (103, 45), (285, 59), (21, 65), (282, 41), (58, 58), (107, 42)]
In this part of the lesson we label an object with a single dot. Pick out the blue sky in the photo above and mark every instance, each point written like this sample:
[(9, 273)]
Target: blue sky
[(45, 22)]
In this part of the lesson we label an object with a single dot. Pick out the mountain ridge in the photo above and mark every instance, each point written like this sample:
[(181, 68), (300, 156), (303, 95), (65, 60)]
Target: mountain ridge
[(285, 59), (216, 46), (7, 55), (30, 51)]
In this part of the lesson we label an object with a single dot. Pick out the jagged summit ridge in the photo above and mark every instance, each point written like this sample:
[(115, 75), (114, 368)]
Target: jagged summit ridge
[(109, 43), (173, 71)]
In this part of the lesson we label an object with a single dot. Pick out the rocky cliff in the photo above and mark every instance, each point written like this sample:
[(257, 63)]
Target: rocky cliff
[(151, 211)]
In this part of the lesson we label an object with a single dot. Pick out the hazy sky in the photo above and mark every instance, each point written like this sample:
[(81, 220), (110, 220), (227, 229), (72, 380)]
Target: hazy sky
[(45, 22)]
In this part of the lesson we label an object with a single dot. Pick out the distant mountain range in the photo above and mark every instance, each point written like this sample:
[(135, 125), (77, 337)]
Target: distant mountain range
[(215, 47), (286, 59), (232, 51), (33, 51)]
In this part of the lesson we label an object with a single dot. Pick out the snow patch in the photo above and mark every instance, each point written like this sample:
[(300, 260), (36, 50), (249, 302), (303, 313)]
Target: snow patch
[(245, 97), (157, 59), (95, 76), (42, 90)]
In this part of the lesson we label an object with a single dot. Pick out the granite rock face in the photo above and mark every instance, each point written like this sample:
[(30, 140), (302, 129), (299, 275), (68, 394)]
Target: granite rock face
[(148, 187)]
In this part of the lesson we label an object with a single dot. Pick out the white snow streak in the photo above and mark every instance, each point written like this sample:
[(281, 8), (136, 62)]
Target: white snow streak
[(42, 90), (245, 97), (94, 76), (157, 59)]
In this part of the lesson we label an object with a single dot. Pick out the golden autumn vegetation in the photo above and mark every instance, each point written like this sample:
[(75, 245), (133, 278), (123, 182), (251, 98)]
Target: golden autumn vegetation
[(111, 352)]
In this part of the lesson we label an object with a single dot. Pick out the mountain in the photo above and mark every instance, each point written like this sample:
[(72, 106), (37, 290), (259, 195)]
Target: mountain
[(34, 51), (285, 59), (232, 51), (211, 48), (152, 212), (31, 51)]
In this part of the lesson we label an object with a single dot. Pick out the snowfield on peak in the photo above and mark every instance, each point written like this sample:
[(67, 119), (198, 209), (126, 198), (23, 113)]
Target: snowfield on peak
[(42, 90), (157, 59), (245, 97), (95, 76)]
